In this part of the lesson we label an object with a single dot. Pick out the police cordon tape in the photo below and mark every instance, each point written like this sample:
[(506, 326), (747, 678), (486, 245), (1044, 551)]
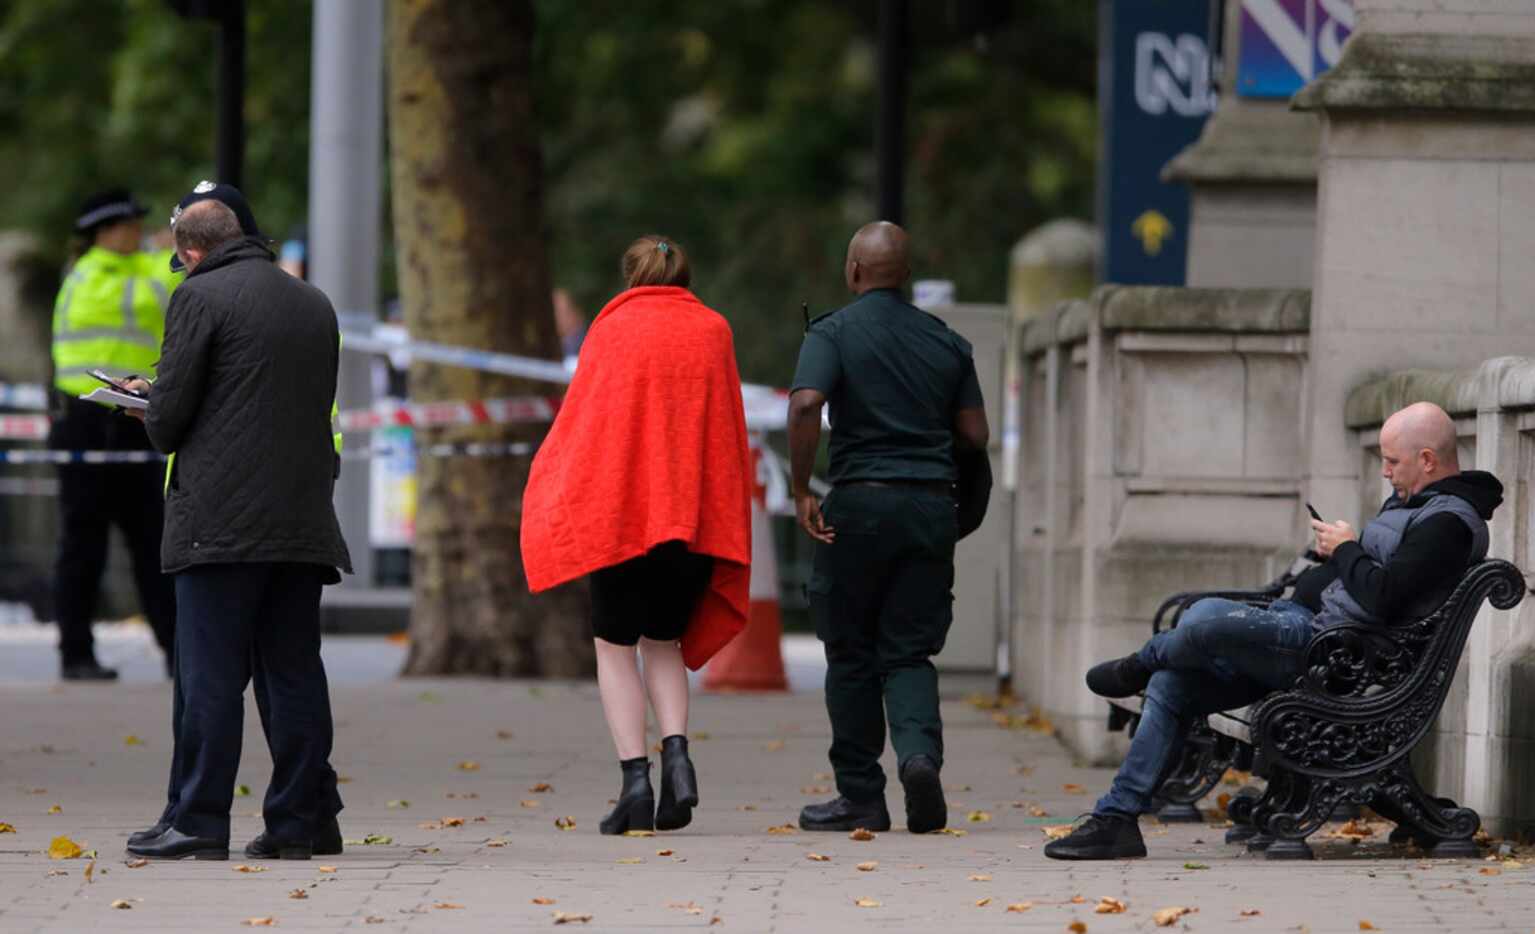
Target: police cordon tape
[(461, 449)]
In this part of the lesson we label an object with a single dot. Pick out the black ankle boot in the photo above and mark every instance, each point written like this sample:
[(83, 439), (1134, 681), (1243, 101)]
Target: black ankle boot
[(636, 803), (679, 785)]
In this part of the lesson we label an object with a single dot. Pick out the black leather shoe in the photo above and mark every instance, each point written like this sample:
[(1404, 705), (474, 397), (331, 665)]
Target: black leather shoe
[(173, 844), (636, 809), (88, 671), (1101, 836), (265, 847), (679, 785), (926, 811), (328, 841), (144, 836), (842, 814), (1121, 677)]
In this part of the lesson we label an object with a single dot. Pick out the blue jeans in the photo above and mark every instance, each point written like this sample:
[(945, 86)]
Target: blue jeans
[(1222, 655)]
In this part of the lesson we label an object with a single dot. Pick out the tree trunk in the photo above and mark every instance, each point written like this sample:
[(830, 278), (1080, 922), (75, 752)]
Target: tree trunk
[(466, 177)]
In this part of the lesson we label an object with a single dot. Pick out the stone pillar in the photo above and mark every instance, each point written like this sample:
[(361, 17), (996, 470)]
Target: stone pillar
[(1252, 174), (1426, 207)]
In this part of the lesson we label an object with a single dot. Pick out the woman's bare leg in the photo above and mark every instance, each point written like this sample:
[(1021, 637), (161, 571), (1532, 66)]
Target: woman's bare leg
[(666, 681), (623, 697)]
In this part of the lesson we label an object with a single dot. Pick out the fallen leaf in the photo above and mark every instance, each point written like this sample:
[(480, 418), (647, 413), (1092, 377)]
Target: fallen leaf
[(1490, 871), (773, 745), (817, 858), (866, 903), (1056, 831), (951, 831), (561, 917), (1077, 927), (298, 894), (57, 872), (980, 877), (690, 907), (1037, 811), (663, 852), (867, 867), (701, 736), (1367, 926), (122, 903), (260, 922), (453, 822), (242, 791), (529, 803), (1109, 906), (978, 817), (746, 807), (377, 839), (131, 740), (1195, 866), (468, 765), (783, 829), (466, 795), (1512, 864), (246, 868), (90, 870), (447, 906), (716, 920), (565, 823), (862, 834), (1166, 917), (428, 850), (639, 833), (498, 842), (1236, 777), (429, 825), (630, 861), (543, 901), (815, 790), (6, 828), (63, 848), (503, 734), (822, 776), (1250, 912), (136, 863), (374, 919), (1073, 789), (397, 804), (55, 810), (1078, 900), (1020, 907), (343, 779), (325, 868), (541, 788), (1355, 829)]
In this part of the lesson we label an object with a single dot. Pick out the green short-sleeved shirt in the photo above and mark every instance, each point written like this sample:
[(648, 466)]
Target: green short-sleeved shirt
[(894, 376)]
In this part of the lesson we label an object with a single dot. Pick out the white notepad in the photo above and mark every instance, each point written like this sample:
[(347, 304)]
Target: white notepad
[(112, 397)]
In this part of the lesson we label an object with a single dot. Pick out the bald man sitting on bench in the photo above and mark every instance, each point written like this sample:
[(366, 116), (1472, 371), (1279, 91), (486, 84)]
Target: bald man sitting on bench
[(1224, 655)]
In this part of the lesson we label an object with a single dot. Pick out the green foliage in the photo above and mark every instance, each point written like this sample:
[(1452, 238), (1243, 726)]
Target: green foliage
[(99, 93), (743, 128)]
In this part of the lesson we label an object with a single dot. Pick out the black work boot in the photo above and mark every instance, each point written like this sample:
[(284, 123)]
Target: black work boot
[(636, 809), (1121, 677), (1101, 836), (679, 785), (926, 810), (842, 814)]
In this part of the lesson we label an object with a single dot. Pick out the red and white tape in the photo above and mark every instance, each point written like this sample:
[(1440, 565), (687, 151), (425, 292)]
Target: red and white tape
[(519, 410)]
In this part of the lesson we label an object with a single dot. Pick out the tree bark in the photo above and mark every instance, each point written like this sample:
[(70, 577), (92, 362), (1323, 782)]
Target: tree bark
[(468, 214)]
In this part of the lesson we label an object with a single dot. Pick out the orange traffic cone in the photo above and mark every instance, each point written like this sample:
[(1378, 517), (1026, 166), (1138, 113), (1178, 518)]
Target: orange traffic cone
[(753, 661)]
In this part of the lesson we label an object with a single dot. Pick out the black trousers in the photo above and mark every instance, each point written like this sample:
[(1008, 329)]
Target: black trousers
[(882, 599), (237, 623), (92, 499)]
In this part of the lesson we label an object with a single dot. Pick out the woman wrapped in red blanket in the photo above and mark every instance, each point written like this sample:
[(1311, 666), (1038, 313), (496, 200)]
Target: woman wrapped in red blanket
[(645, 483)]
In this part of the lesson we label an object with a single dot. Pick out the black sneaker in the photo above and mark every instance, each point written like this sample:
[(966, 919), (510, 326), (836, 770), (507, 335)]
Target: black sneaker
[(842, 814), (88, 671), (1121, 677), (926, 810), (1100, 836)]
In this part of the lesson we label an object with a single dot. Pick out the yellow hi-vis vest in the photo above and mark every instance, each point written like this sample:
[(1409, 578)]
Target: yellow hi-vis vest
[(110, 315)]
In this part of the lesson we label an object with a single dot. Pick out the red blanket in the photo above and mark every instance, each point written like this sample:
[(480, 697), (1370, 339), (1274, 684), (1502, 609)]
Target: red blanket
[(649, 446)]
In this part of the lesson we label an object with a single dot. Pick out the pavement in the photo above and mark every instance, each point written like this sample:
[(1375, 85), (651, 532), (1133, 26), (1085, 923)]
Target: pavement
[(464, 786)]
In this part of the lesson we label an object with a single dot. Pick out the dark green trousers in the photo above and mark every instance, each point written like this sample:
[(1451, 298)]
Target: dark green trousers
[(882, 600)]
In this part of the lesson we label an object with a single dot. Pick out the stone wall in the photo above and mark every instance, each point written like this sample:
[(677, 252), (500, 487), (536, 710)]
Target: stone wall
[(1161, 451)]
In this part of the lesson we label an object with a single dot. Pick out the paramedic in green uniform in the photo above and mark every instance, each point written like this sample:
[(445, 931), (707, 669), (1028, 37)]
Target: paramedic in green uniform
[(903, 393)]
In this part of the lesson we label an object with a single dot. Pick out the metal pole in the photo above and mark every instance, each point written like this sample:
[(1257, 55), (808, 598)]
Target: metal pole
[(345, 158), (230, 145), (890, 130)]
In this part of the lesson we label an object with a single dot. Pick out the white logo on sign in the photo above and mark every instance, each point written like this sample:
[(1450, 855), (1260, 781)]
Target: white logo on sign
[(1172, 74)]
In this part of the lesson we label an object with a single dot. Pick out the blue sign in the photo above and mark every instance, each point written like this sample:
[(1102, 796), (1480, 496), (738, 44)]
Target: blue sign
[(1152, 102), (1286, 43)]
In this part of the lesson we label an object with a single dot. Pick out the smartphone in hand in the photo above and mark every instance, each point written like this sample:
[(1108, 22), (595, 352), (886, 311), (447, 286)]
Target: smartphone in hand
[(1314, 514), (103, 377)]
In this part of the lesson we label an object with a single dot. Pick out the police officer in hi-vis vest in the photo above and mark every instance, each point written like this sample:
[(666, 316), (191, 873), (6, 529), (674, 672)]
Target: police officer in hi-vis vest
[(109, 315)]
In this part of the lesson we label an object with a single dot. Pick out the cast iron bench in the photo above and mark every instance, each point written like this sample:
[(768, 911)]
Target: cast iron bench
[(1341, 736)]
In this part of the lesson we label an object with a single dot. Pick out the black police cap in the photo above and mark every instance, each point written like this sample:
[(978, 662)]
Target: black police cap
[(227, 195), (105, 207)]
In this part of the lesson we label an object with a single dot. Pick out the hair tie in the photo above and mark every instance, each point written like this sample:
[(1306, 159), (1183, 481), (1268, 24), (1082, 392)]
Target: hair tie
[(663, 247)]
